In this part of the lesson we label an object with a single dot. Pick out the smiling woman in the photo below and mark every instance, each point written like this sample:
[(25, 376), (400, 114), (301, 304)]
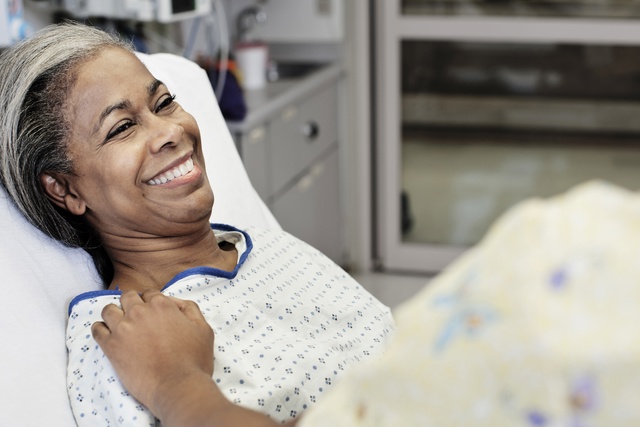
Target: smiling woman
[(98, 153), (128, 130)]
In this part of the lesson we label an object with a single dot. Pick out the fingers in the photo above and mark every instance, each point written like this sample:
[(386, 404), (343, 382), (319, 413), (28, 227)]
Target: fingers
[(100, 332), (130, 298), (135, 304), (147, 295), (189, 308), (111, 313), (111, 316)]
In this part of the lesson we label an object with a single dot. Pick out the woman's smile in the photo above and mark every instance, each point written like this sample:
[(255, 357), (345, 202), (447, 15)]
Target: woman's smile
[(181, 170)]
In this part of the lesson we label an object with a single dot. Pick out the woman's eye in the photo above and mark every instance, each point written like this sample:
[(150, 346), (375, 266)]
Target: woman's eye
[(118, 130), (167, 101)]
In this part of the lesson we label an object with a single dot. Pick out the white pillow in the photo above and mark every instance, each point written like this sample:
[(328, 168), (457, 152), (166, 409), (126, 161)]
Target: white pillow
[(40, 277)]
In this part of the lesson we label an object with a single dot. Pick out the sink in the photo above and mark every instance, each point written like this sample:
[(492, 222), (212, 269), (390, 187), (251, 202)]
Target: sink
[(292, 70)]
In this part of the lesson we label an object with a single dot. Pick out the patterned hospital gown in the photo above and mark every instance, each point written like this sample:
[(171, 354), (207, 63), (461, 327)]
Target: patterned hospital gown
[(536, 326), (288, 324)]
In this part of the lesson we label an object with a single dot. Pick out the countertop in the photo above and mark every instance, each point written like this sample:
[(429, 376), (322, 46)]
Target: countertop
[(265, 103)]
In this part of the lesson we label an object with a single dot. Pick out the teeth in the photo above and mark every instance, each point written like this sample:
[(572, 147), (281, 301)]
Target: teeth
[(170, 175)]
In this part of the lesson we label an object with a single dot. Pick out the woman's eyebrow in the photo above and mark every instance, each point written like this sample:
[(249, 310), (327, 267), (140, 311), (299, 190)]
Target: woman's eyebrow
[(153, 87), (122, 105)]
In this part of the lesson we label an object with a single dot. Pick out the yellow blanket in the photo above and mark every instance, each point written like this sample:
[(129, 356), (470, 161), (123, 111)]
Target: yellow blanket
[(536, 326)]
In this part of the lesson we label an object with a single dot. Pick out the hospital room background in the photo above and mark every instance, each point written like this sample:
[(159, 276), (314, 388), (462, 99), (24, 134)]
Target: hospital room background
[(390, 134)]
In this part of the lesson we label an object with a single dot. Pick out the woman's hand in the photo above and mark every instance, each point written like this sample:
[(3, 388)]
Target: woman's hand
[(162, 350), (155, 343)]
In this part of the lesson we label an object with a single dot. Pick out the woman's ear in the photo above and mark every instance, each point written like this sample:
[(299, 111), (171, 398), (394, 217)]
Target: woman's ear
[(57, 188)]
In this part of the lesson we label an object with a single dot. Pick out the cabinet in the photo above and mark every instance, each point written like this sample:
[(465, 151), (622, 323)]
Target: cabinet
[(308, 209), (481, 104), (292, 158), (301, 133)]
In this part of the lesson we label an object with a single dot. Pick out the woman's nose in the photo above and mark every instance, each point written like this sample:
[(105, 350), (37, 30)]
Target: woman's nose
[(164, 132)]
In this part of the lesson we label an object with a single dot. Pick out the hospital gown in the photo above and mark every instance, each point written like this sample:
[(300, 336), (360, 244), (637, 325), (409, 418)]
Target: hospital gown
[(536, 326), (288, 324)]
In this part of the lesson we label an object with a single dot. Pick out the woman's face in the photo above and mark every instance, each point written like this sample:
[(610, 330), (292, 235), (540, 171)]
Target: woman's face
[(137, 157)]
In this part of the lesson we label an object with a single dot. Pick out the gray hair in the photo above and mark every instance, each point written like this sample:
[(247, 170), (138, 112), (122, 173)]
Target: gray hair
[(35, 78)]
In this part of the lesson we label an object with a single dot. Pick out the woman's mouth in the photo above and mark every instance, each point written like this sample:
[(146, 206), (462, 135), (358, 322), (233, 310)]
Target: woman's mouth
[(180, 170)]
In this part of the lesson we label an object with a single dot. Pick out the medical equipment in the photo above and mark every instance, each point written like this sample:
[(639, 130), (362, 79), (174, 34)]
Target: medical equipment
[(209, 12), (216, 39), (139, 10), (13, 26)]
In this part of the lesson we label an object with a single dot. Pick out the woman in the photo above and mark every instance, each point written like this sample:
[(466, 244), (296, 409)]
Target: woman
[(97, 153)]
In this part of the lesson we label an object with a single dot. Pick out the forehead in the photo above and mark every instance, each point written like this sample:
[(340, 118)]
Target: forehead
[(112, 76), (110, 66)]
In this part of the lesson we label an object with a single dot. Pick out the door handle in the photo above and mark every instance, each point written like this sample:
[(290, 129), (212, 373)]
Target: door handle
[(310, 130)]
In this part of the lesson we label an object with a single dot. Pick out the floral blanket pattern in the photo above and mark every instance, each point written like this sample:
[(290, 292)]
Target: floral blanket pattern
[(535, 326)]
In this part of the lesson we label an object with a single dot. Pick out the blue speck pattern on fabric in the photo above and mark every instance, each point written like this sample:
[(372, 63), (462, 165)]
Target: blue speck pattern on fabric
[(288, 323)]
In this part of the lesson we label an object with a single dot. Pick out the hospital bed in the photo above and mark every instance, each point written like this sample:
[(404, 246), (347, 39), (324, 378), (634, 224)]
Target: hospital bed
[(40, 277), (538, 252)]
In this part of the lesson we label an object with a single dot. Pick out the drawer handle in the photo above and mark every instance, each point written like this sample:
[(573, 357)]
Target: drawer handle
[(256, 135), (310, 130)]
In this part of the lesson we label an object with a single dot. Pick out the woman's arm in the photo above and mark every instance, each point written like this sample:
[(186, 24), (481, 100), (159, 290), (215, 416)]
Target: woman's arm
[(162, 350), (196, 401)]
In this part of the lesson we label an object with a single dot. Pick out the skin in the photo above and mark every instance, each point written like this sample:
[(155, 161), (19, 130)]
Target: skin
[(125, 129)]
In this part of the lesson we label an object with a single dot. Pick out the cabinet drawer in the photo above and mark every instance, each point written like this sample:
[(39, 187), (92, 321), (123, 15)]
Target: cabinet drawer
[(254, 146), (301, 132), (310, 209)]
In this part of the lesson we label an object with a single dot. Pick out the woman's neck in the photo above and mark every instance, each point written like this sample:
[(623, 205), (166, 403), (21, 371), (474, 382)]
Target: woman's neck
[(151, 263)]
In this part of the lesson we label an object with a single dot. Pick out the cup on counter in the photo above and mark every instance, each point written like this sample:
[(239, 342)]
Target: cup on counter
[(252, 61)]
